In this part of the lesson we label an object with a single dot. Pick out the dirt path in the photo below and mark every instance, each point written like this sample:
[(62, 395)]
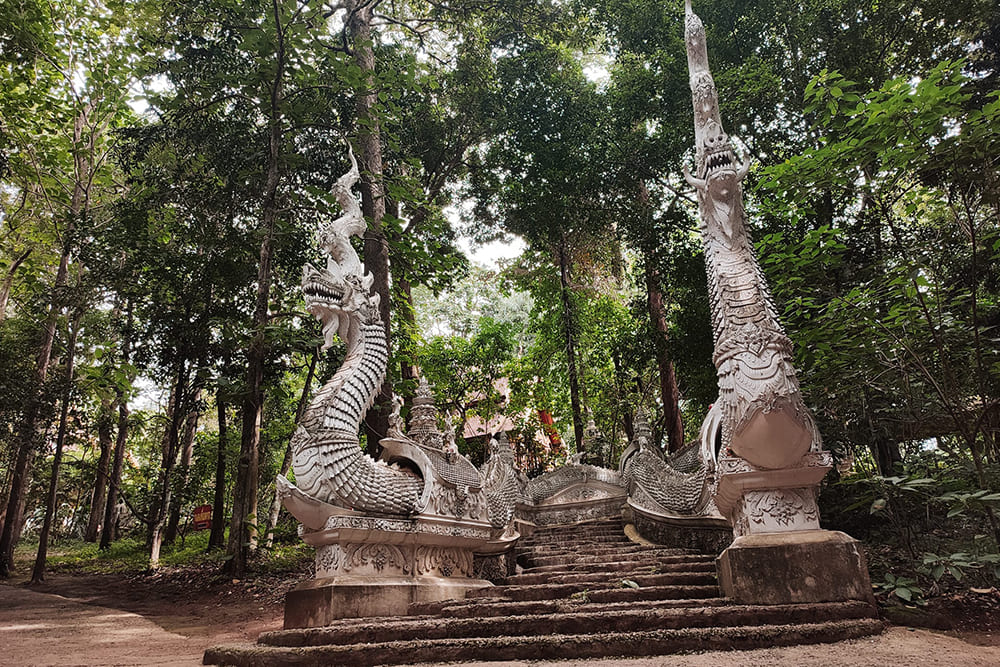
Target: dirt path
[(41, 629)]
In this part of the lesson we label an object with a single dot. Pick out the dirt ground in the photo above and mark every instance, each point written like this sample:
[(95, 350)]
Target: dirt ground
[(99, 620)]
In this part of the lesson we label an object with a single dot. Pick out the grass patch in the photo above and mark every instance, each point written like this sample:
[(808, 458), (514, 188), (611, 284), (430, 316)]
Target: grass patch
[(124, 556)]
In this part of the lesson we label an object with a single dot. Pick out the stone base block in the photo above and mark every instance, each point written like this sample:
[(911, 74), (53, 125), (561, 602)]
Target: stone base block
[(793, 567), (319, 602)]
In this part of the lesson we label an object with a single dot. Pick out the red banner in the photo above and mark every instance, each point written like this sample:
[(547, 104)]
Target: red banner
[(202, 517), (548, 425)]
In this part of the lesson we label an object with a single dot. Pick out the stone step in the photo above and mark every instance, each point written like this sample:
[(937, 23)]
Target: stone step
[(591, 590), (577, 538), (594, 548), (628, 594), (683, 577), (587, 557), (661, 562), (492, 607), (544, 646), (540, 536), (582, 525), (578, 622)]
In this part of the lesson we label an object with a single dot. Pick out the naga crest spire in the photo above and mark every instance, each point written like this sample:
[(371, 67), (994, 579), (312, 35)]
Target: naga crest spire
[(760, 415)]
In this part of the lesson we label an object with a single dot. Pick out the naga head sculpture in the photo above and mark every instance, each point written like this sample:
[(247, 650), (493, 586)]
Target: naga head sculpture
[(340, 295), (718, 173), (340, 301)]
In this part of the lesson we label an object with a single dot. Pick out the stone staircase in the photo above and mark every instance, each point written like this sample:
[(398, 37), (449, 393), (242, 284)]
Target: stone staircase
[(585, 591)]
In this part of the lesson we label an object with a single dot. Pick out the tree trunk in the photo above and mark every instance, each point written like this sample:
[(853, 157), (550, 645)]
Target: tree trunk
[(27, 431), (99, 498), (242, 525), (38, 572), (376, 247), (669, 394), (183, 472), (286, 461), (25, 442), (885, 450), (111, 506), (160, 509), (8, 283), (568, 329), (407, 321), (216, 540)]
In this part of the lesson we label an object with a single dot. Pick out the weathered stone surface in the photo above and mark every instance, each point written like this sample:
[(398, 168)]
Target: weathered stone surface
[(705, 535), (544, 646), (802, 566), (604, 618), (319, 602)]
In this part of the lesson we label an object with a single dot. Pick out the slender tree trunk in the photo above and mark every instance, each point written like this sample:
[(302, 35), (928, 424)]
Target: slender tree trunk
[(14, 517), (99, 498), (7, 465), (111, 506), (669, 394), (8, 283), (620, 381), (407, 319), (242, 526), (568, 329), (38, 572), (27, 431), (376, 247), (161, 502), (216, 540), (183, 472), (286, 461)]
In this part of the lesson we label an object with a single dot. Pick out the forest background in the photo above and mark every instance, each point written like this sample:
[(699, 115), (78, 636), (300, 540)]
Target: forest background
[(164, 167)]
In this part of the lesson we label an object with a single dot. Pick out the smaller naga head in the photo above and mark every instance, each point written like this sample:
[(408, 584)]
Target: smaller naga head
[(340, 301)]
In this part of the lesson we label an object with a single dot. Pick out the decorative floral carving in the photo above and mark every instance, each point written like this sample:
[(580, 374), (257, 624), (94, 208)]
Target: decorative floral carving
[(582, 493), (390, 525), (328, 559), (446, 561), (784, 507), (548, 517), (377, 556)]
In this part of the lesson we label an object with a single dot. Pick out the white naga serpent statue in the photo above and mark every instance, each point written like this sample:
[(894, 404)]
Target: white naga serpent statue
[(760, 415), (328, 462)]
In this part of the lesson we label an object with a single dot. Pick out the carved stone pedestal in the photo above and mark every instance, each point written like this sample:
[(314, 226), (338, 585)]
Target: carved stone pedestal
[(780, 554), (375, 566)]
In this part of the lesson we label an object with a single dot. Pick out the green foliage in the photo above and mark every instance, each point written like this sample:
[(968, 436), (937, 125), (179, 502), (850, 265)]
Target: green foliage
[(957, 564), (902, 588)]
